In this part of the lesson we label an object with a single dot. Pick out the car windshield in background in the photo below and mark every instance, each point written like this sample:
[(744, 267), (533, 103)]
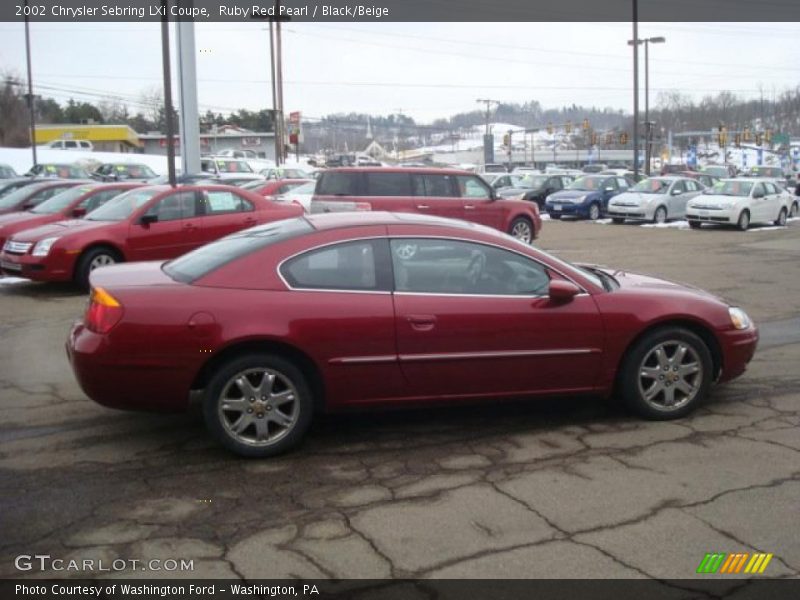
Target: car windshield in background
[(732, 188), (530, 181), (62, 171), (121, 207), (715, 171), (17, 196), (205, 259), (587, 184), (134, 172), (62, 200), (651, 186), (233, 166)]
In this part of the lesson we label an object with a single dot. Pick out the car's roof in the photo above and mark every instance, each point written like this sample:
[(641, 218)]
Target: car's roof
[(340, 220), (418, 170)]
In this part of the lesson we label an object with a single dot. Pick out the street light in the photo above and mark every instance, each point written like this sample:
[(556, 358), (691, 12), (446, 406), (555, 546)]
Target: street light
[(647, 42)]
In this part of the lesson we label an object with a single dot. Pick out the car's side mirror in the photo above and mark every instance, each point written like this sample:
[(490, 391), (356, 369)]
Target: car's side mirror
[(561, 290), (148, 219), (79, 212)]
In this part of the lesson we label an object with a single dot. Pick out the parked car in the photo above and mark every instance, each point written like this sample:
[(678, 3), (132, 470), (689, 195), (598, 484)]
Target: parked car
[(535, 188), (446, 311), (70, 203), (669, 169), (58, 170), (594, 168), (739, 202), (9, 185), (719, 171), (301, 195), (187, 179), (767, 172), (492, 168), (26, 197), (7, 172), (284, 173), (240, 180), (271, 188), (586, 197), (233, 153), (147, 223), (84, 145), (220, 166), (704, 178), (657, 200), (441, 192), (123, 172)]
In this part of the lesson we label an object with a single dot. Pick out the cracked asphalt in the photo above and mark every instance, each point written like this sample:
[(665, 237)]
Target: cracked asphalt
[(574, 488)]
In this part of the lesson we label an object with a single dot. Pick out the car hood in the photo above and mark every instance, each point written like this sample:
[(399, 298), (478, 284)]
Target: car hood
[(13, 221), (61, 228), (647, 283), (632, 199), (570, 194), (516, 191), (713, 200)]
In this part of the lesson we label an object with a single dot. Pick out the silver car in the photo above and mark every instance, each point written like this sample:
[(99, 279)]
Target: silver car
[(657, 200)]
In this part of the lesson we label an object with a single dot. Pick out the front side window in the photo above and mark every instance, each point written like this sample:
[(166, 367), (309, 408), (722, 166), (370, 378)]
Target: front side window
[(433, 266), (472, 187), (175, 206), (678, 188), (434, 186), (347, 266)]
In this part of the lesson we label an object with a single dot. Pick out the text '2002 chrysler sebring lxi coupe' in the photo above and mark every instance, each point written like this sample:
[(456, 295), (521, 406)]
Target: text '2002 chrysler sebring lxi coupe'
[(325, 312)]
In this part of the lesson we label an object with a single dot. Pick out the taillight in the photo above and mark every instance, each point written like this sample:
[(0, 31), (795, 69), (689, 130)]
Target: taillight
[(104, 311)]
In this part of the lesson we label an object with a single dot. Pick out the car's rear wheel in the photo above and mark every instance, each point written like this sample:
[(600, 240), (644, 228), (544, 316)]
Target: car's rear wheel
[(744, 221), (617, 220), (666, 374), (258, 405), (793, 212), (92, 259), (660, 215), (594, 211), (522, 229), (781, 220), (695, 224)]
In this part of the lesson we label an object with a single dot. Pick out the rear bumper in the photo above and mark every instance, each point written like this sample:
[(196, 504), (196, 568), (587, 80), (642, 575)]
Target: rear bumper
[(114, 379)]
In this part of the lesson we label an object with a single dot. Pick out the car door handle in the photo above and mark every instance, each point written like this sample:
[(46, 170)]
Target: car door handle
[(423, 206), (189, 226), (421, 322), (469, 207), (249, 221)]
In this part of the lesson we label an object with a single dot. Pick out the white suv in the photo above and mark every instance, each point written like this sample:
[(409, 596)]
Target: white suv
[(84, 145)]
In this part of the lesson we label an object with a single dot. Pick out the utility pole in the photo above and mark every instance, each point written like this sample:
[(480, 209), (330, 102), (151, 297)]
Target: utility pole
[(635, 45), (274, 91), (279, 57), (167, 94), (488, 141), (31, 99)]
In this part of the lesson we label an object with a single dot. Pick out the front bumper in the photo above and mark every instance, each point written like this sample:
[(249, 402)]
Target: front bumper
[(567, 208), (710, 215), (738, 348), (57, 266), (637, 213)]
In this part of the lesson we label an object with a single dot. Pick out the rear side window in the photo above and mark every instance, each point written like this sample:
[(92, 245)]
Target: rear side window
[(339, 184), (388, 184), (220, 202), (347, 266), (442, 186)]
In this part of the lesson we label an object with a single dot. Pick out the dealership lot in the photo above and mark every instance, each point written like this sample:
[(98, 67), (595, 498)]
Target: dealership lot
[(569, 488)]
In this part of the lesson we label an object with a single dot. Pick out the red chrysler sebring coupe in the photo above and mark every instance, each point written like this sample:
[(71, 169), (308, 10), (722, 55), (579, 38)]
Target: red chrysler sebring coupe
[(326, 312), (146, 223)]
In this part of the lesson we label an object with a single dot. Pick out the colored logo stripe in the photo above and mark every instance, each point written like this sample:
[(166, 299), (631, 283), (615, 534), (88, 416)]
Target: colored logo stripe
[(758, 563), (722, 562), (711, 562)]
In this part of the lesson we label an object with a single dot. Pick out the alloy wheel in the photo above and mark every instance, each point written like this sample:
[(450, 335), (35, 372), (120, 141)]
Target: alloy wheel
[(522, 231), (670, 376), (101, 260)]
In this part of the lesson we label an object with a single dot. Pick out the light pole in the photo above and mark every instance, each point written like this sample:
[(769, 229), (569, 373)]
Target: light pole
[(647, 124)]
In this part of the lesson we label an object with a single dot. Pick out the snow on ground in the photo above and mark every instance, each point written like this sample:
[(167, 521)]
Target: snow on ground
[(11, 280), (668, 225)]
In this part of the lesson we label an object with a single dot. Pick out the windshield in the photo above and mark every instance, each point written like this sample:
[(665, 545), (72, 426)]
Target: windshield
[(731, 187), (651, 186), (133, 172), (205, 259), (62, 171), (233, 166), (62, 200), (123, 206), (19, 196), (529, 181), (587, 184)]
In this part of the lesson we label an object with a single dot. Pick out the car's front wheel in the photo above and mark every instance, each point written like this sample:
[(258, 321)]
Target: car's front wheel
[(666, 374), (594, 211), (744, 221), (793, 212), (781, 220), (92, 259), (258, 405), (660, 215), (522, 229)]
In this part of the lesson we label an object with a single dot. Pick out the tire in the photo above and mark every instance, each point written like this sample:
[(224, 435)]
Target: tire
[(594, 211), (231, 384), (92, 259), (744, 221), (794, 210), (650, 381), (781, 220), (695, 224), (617, 220), (522, 229), (660, 216)]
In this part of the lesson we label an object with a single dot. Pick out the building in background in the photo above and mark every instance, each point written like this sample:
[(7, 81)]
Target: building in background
[(104, 138), (261, 143)]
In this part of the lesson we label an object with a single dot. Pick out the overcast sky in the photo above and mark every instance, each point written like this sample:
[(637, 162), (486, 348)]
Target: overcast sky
[(426, 70)]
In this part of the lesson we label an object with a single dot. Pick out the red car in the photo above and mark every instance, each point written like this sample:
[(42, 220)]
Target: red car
[(147, 223), (440, 192), (71, 202), (326, 312), (272, 188), (34, 194)]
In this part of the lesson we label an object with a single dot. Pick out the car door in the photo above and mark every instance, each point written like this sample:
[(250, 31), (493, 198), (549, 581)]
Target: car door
[(175, 230), (437, 195), (477, 200), (223, 212), (476, 320), (609, 189), (773, 201), (676, 199), (693, 189), (759, 203)]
